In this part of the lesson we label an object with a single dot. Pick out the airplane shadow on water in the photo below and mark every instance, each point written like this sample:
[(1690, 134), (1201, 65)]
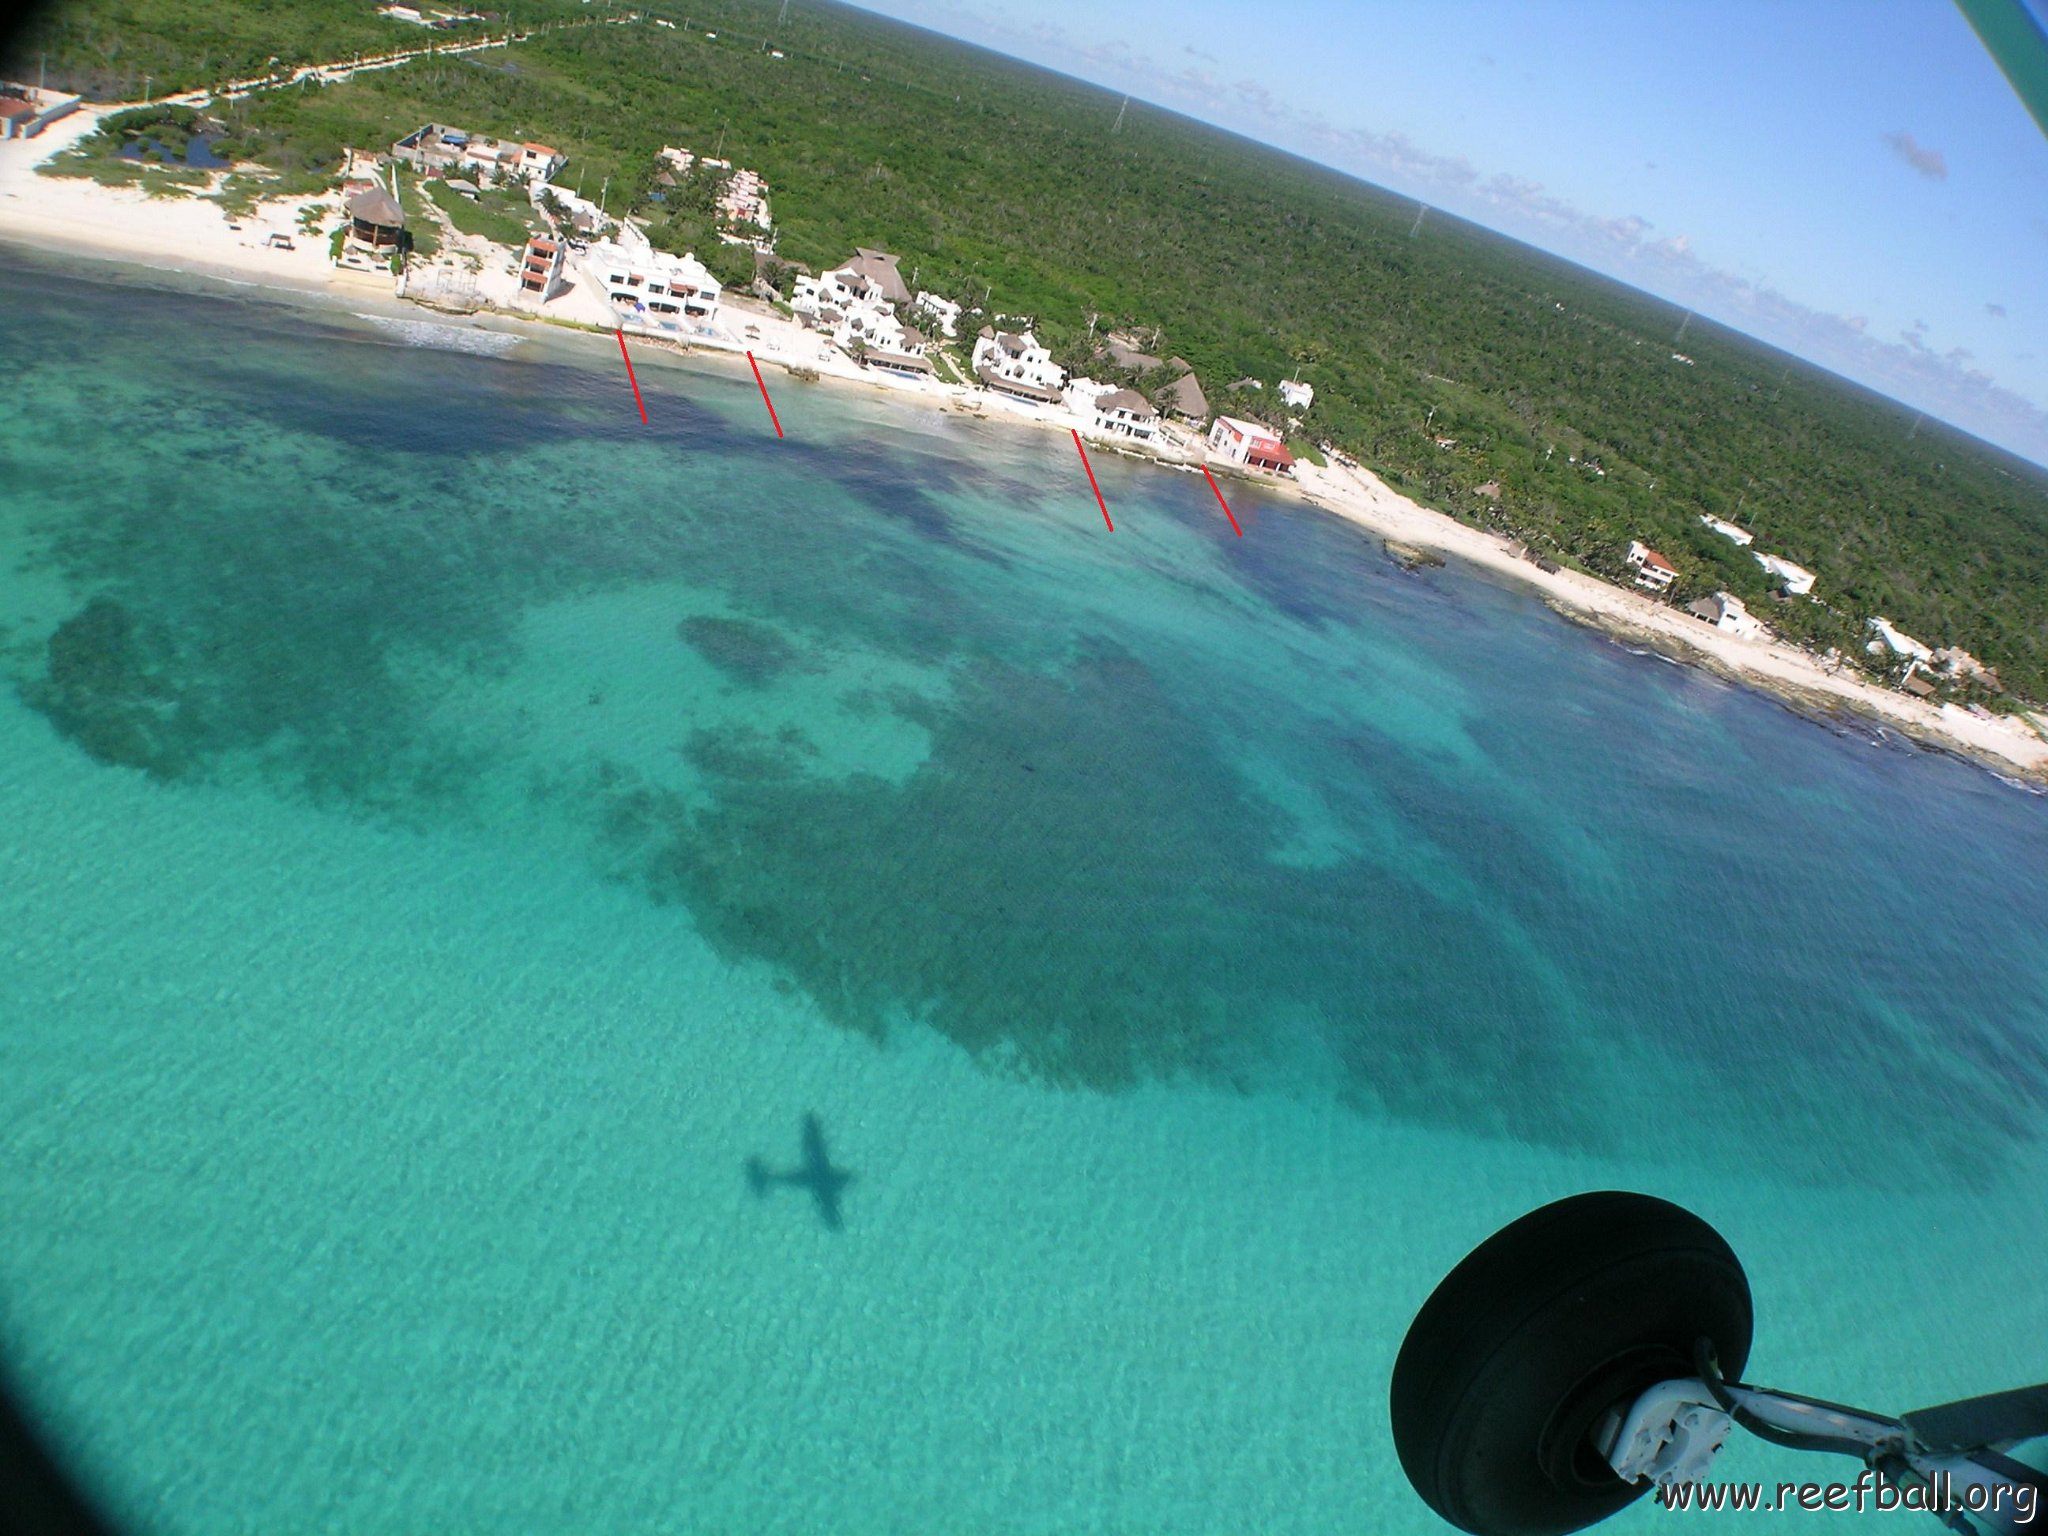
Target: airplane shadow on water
[(815, 1174)]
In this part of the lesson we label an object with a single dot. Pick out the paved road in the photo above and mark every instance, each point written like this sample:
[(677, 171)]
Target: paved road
[(342, 69)]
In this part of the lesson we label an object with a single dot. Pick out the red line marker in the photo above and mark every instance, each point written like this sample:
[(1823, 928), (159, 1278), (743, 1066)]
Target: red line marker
[(630, 379), (1219, 498), (764, 394), (1091, 481)]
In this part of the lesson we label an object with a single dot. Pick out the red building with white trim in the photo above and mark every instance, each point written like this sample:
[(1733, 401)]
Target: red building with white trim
[(1248, 443)]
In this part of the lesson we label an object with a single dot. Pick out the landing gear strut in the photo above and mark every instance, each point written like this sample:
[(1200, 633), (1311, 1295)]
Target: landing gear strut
[(1588, 1353)]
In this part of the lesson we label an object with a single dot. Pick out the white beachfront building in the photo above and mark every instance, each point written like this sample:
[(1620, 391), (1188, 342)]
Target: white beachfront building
[(1728, 530), (1725, 612), (1297, 395), (1126, 413), (651, 290), (1250, 444), (874, 335), (1653, 572), (1017, 365), (1112, 412), (1898, 643), (859, 303), (1796, 580)]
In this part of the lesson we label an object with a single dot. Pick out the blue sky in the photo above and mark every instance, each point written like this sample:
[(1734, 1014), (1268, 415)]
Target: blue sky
[(1853, 180)]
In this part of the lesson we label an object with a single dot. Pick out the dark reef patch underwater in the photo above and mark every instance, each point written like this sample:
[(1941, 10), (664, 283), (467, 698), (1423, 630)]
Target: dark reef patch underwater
[(1102, 811), (753, 654)]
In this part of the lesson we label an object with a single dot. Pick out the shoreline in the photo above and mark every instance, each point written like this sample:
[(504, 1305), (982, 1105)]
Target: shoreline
[(66, 217), (1786, 673)]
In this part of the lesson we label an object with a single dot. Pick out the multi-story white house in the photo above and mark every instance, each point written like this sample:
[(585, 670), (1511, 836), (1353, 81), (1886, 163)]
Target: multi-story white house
[(1017, 365), (859, 303), (1248, 443), (1653, 572), (1297, 395), (874, 327), (651, 290), (872, 334), (1113, 412), (1126, 413)]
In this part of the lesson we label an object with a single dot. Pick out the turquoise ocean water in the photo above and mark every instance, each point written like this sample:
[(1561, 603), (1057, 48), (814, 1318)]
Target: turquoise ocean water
[(447, 829)]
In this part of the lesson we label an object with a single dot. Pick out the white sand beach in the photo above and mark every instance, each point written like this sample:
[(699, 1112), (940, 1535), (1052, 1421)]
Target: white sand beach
[(1785, 670), (65, 215), (77, 217)]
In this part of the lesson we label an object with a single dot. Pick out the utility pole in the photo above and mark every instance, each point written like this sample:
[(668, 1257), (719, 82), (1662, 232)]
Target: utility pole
[(602, 193)]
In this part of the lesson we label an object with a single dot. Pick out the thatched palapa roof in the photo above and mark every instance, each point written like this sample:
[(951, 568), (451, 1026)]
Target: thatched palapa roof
[(376, 206)]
